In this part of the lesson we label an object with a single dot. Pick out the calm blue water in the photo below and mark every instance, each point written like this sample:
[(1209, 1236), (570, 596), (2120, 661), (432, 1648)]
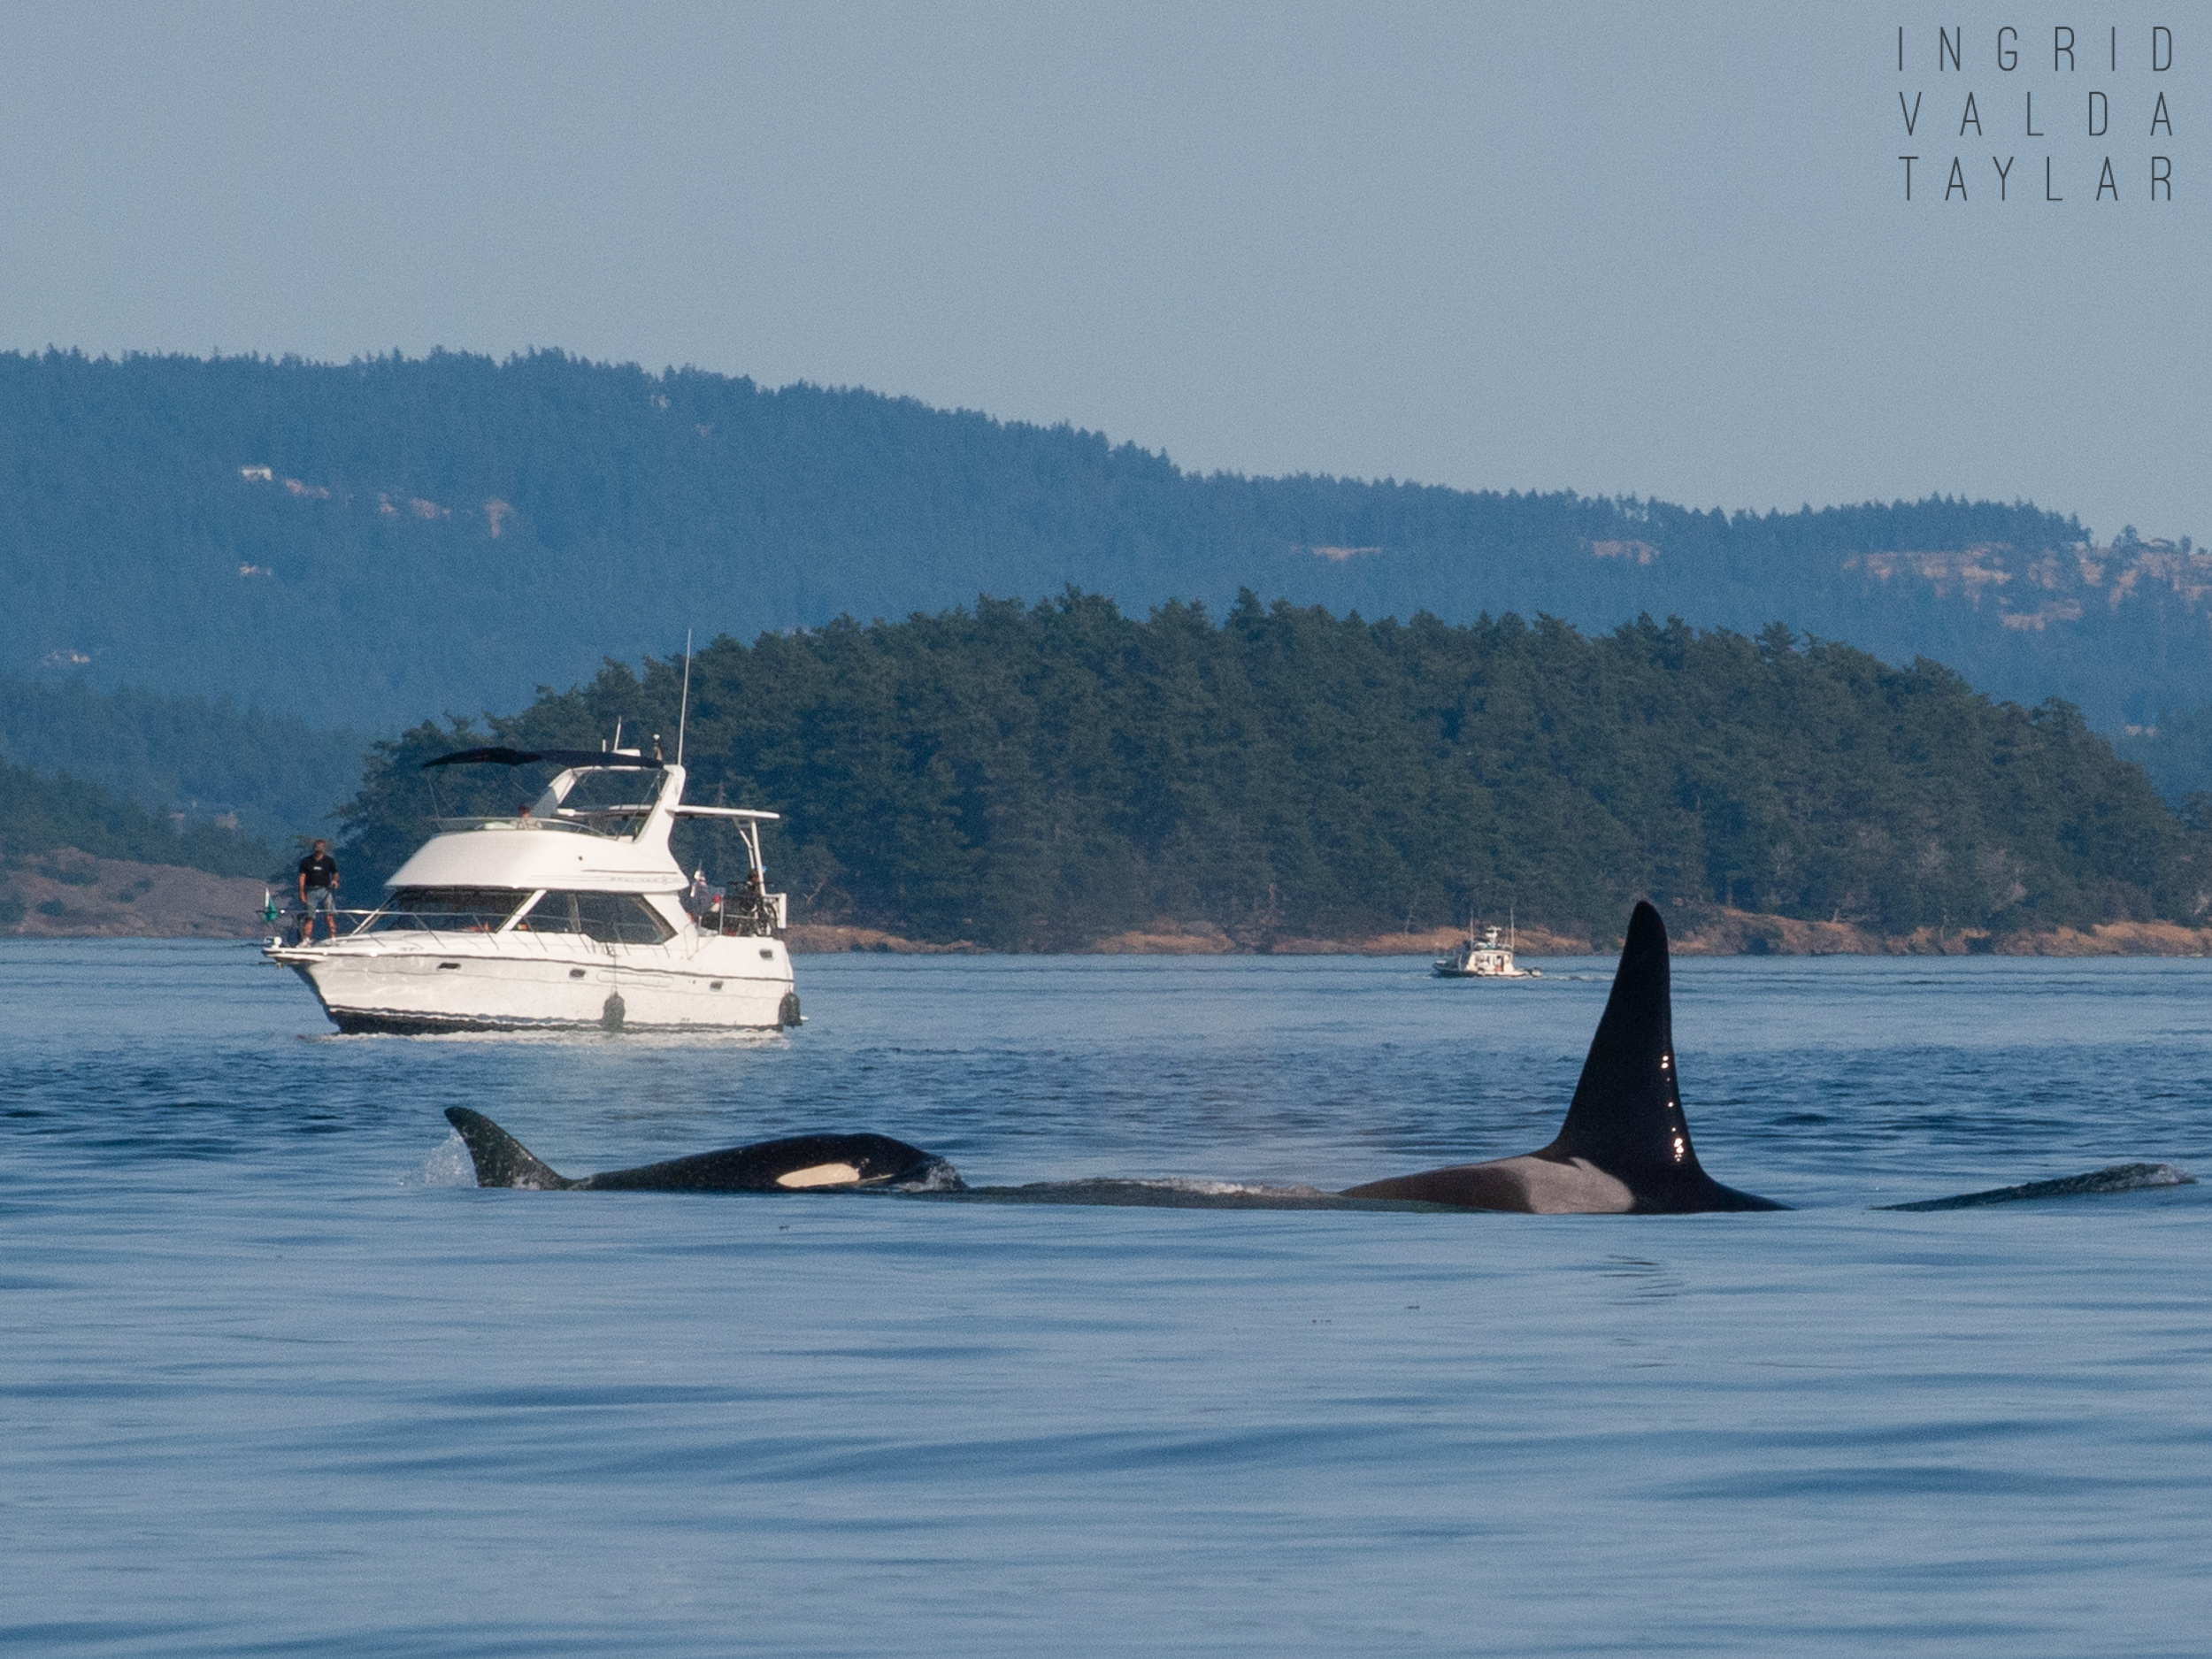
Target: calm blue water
[(273, 1380)]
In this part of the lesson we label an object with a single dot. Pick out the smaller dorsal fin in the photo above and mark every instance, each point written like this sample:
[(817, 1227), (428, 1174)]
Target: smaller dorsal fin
[(501, 1160)]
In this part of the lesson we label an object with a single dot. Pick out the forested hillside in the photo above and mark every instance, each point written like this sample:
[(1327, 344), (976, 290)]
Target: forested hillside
[(40, 813), (2176, 753), (362, 545), (205, 757), (1038, 777)]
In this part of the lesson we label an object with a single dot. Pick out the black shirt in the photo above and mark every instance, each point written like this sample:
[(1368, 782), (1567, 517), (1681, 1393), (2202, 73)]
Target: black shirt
[(319, 870)]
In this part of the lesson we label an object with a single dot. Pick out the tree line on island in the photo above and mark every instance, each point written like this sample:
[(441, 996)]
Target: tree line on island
[(206, 758), (1038, 776)]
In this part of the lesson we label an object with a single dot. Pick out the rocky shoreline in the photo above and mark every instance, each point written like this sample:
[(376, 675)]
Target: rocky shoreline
[(68, 895), (1714, 931)]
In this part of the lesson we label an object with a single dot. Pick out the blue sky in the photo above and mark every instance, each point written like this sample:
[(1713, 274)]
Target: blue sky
[(1624, 250)]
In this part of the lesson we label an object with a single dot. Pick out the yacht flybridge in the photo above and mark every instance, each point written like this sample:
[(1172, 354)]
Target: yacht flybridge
[(573, 912)]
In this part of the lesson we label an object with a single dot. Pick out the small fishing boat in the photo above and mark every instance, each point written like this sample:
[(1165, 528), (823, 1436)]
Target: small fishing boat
[(572, 913), (1483, 959)]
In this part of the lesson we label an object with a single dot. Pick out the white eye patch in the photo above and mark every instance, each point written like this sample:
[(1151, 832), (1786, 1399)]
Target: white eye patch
[(821, 1175)]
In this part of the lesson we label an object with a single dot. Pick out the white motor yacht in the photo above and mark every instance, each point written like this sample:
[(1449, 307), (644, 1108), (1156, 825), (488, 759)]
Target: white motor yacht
[(1491, 959), (573, 912)]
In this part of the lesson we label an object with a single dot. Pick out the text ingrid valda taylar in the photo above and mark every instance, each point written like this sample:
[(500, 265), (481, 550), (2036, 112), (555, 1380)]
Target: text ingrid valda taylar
[(2036, 115)]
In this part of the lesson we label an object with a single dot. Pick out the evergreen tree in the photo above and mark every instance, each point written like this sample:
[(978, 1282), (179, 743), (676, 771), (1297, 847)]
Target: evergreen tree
[(1036, 777)]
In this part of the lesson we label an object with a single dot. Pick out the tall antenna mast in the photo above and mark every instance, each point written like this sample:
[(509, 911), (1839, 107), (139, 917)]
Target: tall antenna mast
[(684, 708)]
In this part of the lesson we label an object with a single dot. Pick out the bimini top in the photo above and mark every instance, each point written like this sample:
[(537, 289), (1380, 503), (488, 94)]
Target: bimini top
[(610, 758)]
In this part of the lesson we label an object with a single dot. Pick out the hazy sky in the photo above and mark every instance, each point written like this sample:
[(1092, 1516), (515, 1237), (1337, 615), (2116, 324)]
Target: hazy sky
[(1653, 250)]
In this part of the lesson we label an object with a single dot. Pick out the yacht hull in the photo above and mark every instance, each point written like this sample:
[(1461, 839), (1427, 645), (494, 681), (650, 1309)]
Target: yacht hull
[(725, 985)]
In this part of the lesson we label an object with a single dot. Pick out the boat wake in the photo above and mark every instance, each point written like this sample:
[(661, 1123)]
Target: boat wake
[(631, 1038)]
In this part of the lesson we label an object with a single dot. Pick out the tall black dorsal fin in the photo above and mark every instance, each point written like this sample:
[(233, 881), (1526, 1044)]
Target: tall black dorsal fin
[(1626, 1115), (501, 1160)]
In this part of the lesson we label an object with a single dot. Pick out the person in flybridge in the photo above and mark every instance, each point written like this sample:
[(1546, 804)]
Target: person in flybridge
[(318, 891)]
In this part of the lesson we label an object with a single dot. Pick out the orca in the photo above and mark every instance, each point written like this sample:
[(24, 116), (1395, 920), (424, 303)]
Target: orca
[(800, 1163), (1624, 1148), (2117, 1178)]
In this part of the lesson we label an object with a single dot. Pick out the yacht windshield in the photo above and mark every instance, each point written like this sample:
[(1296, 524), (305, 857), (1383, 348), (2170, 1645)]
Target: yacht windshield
[(612, 918), (612, 801), (445, 910)]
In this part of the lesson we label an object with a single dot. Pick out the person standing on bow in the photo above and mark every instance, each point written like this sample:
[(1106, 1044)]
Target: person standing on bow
[(318, 891)]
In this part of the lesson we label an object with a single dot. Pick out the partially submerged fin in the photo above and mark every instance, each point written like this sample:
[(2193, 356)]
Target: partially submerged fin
[(2118, 1178), (501, 1160), (1626, 1115)]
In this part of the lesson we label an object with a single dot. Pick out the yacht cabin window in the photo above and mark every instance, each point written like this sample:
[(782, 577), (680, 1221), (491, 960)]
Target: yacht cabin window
[(612, 918)]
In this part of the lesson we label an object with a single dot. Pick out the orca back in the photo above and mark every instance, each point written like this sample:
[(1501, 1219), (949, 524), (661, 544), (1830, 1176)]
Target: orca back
[(1626, 1115), (827, 1161), (769, 1166)]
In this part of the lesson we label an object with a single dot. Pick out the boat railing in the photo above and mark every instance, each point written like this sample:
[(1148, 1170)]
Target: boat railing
[(746, 912), (353, 922), (348, 921), (434, 922)]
